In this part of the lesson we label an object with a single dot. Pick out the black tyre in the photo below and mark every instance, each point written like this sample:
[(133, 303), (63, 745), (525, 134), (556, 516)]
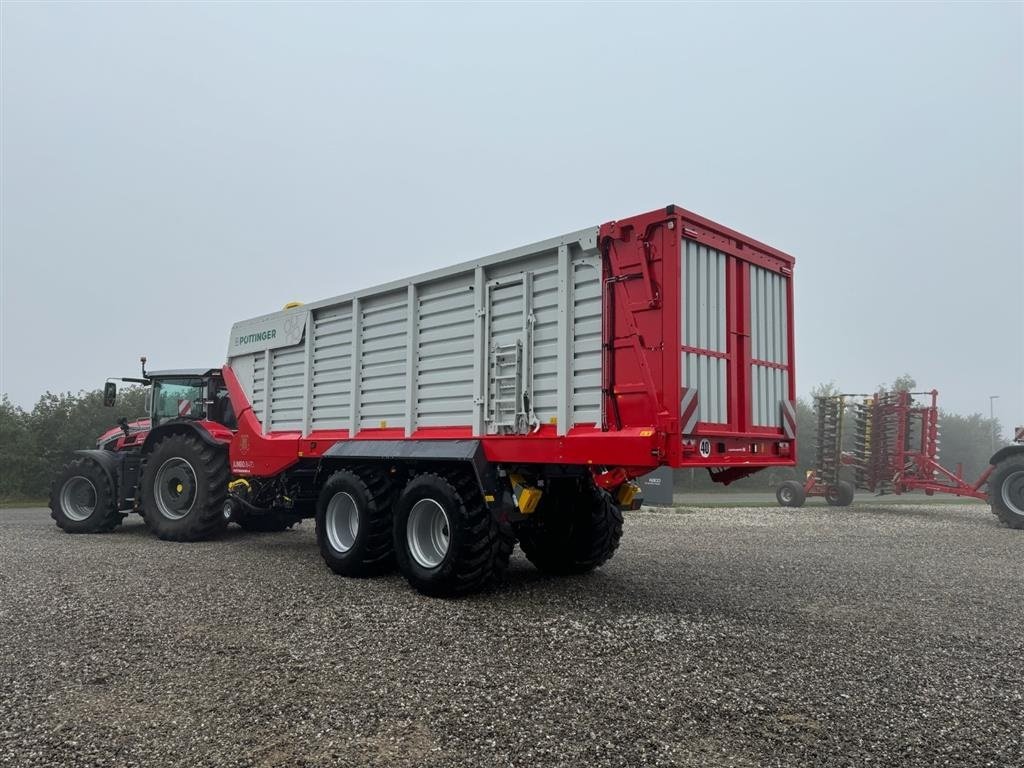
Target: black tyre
[(353, 523), (83, 499), (1006, 491), (790, 494), (576, 528), (184, 486), (840, 494), (446, 541)]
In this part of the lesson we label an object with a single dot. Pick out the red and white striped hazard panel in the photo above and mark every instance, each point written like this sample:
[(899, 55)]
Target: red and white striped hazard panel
[(184, 407)]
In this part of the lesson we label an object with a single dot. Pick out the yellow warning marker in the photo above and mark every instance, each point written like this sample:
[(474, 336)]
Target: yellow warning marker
[(526, 496)]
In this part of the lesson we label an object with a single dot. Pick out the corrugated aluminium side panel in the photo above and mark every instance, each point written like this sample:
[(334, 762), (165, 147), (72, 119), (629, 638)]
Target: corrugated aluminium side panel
[(444, 391), (331, 402), (524, 307), (586, 342), (384, 360), (420, 334), (287, 387), (769, 319), (243, 366), (545, 341), (704, 329), (259, 381)]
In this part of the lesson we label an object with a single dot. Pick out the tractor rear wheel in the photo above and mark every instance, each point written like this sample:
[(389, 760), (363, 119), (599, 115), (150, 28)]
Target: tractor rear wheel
[(790, 494), (446, 540), (840, 494), (83, 499), (576, 528), (1006, 491), (353, 523), (184, 486)]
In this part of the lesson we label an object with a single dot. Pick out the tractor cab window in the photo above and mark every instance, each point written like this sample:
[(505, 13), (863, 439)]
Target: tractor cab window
[(178, 398)]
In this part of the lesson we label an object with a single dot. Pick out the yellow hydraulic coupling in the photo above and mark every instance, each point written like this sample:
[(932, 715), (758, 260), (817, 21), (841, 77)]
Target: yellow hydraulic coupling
[(626, 494), (527, 497), (239, 485)]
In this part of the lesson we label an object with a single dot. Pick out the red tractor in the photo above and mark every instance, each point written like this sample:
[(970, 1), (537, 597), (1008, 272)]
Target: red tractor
[(183, 492)]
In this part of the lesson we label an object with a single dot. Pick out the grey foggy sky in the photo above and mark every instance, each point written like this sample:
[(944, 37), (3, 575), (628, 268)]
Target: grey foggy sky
[(169, 169)]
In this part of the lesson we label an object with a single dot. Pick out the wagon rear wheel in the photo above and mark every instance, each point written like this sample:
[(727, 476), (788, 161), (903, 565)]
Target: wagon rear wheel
[(576, 528)]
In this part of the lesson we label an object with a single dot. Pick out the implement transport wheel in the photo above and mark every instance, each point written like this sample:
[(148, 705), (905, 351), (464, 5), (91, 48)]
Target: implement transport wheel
[(447, 542), (840, 494), (353, 523), (184, 485), (1006, 491), (576, 528), (83, 499), (790, 494)]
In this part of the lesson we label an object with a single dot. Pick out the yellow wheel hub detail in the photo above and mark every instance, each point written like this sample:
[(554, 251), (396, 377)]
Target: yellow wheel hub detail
[(180, 488)]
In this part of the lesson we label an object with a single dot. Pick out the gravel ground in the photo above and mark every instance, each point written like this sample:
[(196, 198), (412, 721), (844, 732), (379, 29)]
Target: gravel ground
[(733, 637)]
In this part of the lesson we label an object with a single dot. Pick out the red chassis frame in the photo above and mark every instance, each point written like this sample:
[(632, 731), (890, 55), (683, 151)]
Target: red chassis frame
[(642, 369)]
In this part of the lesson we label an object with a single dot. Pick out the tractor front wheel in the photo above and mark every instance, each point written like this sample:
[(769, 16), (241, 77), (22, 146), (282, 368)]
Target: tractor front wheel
[(83, 499), (1006, 491), (184, 486)]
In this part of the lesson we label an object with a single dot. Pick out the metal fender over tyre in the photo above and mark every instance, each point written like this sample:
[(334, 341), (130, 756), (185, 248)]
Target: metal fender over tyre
[(447, 542), (1006, 491), (840, 494), (353, 523), (790, 494), (83, 500), (574, 530), (184, 486)]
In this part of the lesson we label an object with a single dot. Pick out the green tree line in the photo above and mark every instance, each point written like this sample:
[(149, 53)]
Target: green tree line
[(35, 444)]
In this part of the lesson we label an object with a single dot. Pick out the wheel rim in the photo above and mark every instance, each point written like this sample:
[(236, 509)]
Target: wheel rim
[(78, 498), (342, 522), (175, 487), (1013, 492), (832, 494), (428, 533), (786, 494)]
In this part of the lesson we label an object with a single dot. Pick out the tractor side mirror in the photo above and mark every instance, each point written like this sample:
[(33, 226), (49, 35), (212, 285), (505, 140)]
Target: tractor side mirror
[(109, 394)]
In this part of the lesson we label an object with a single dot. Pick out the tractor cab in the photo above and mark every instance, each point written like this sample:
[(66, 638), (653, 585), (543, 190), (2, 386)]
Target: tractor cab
[(192, 394), (195, 394)]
